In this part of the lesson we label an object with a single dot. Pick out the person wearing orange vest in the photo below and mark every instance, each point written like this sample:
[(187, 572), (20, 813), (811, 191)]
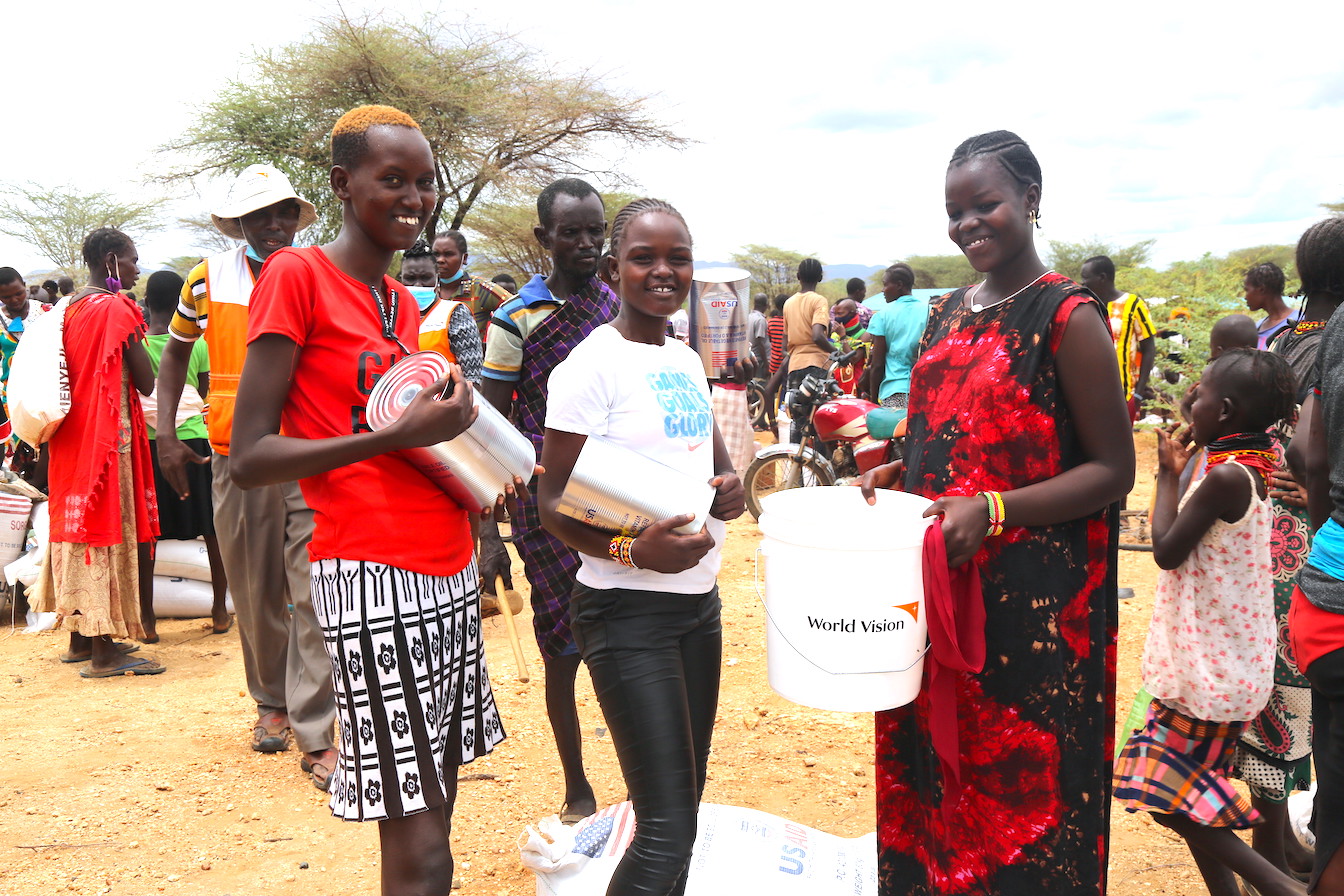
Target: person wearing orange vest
[(263, 532), (446, 326)]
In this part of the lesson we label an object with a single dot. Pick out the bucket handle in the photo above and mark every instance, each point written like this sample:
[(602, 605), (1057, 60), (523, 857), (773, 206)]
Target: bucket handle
[(756, 580)]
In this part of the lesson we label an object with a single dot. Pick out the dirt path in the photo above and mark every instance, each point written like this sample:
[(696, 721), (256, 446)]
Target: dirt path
[(141, 786)]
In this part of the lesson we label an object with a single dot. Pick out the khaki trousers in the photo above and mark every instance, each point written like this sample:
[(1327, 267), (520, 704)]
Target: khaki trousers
[(263, 538)]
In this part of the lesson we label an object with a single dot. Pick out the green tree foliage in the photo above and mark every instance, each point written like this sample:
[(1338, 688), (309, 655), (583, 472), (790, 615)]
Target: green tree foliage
[(1068, 258), (500, 238), (55, 220), (773, 270), (939, 271), (494, 112)]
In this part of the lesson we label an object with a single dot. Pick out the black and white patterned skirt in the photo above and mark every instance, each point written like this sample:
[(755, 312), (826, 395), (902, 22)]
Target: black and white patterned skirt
[(412, 692)]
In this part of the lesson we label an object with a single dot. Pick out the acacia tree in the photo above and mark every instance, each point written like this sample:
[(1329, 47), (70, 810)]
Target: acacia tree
[(55, 220), (773, 270), (494, 113), (1067, 258), (501, 238)]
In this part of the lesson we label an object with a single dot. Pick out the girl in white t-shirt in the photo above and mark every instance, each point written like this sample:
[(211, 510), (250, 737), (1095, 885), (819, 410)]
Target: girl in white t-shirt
[(645, 610), (1209, 659)]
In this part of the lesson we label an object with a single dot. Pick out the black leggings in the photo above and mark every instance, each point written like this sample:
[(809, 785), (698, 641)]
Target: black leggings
[(1326, 675), (654, 661)]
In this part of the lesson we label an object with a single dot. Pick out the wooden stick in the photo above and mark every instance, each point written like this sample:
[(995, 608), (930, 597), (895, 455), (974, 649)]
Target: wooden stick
[(507, 612)]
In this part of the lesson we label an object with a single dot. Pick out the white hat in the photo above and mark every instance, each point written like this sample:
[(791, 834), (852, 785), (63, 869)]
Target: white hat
[(257, 187)]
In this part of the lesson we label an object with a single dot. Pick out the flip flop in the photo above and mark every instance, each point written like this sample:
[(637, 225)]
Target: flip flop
[(134, 667), (222, 631), (123, 646)]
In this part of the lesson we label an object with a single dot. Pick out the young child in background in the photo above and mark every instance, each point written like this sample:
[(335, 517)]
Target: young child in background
[(1209, 658), (192, 516)]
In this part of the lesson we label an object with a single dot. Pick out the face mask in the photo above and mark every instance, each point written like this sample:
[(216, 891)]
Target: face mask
[(461, 272), (252, 254), (424, 295)]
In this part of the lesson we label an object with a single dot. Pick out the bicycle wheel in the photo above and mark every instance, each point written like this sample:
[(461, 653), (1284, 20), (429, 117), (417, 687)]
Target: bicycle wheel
[(776, 472)]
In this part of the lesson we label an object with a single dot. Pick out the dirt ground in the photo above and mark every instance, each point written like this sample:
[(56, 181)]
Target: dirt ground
[(136, 786)]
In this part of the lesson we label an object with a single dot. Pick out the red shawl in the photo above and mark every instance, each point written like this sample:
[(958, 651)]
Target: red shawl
[(956, 611), (84, 509)]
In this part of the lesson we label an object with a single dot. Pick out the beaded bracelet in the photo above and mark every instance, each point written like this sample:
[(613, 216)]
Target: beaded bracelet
[(620, 548), (996, 513)]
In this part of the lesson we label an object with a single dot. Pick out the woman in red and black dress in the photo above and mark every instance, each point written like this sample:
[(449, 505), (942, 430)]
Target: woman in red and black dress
[(1014, 393)]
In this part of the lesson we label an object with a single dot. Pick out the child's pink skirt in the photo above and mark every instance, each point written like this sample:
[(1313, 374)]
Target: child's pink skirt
[(1176, 765)]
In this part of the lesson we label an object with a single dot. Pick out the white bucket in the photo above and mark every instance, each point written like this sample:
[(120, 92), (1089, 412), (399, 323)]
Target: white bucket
[(14, 513), (844, 597)]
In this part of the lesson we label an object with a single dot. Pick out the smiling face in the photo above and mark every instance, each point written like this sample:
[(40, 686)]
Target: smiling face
[(448, 257), (653, 272), (14, 297), (390, 194), (271, 228), (418, 271), (576, 234), (987, 213)]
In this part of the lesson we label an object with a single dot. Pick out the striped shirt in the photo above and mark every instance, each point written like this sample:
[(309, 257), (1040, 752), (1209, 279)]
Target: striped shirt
[(510, 327)]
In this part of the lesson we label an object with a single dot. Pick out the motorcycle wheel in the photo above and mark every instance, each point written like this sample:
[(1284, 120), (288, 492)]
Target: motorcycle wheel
[(768, 475), (756, 403)]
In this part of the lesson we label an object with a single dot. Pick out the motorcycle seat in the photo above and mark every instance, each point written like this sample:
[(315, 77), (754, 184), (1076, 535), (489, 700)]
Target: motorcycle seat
[(883, 423)]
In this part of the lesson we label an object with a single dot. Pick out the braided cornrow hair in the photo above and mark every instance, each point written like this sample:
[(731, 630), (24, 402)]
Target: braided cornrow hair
[(1262, 381), (634, 210), (1266, 275), (1320, 258), (99, 243), (1011, 151)]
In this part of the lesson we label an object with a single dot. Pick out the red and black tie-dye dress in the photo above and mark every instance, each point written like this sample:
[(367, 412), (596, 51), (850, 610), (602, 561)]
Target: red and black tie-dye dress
[(1037, 725)]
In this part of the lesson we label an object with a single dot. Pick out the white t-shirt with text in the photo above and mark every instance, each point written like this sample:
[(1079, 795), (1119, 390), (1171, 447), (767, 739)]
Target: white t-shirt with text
[(654, 401)]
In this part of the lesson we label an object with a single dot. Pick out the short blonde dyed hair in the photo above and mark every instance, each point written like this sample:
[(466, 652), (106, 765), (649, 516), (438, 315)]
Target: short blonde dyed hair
[(350, 134)]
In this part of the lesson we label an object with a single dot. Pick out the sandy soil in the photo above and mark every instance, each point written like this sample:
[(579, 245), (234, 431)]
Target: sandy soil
[(140, 786)]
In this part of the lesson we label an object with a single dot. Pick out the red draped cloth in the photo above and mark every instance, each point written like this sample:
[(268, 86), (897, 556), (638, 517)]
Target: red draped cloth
[(84, 484)]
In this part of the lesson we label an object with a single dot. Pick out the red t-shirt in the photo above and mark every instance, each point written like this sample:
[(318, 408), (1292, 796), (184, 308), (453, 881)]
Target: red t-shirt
[(381, 509)]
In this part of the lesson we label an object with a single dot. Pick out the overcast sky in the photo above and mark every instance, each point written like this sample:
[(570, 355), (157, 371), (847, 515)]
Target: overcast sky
[(820, 127)]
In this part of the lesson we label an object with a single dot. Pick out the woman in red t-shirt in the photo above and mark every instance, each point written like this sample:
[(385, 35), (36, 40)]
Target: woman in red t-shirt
[(394, 582)]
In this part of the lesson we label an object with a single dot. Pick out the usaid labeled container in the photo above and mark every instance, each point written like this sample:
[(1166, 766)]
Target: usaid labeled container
[(844, 597), (14, 513), (718, 307), (616, 489), (476, 466)]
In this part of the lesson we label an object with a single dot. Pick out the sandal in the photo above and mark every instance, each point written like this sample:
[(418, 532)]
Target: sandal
[(130, 667), (124, 646), (320, 768), (272, 733)]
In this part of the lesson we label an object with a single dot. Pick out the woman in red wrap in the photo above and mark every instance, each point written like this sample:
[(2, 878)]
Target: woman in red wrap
[(104, 516), (1018, 432)]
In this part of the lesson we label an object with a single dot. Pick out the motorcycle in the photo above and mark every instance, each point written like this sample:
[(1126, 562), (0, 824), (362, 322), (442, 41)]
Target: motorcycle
[(842, 438)]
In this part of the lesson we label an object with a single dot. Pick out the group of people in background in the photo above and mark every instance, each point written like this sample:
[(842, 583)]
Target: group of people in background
[(357, 582)]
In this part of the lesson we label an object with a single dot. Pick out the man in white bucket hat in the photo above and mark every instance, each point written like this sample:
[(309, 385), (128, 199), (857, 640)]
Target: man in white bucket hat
[(263, 533)]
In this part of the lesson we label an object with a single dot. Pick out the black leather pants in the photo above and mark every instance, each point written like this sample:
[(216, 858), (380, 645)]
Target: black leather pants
[(654, 660)]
